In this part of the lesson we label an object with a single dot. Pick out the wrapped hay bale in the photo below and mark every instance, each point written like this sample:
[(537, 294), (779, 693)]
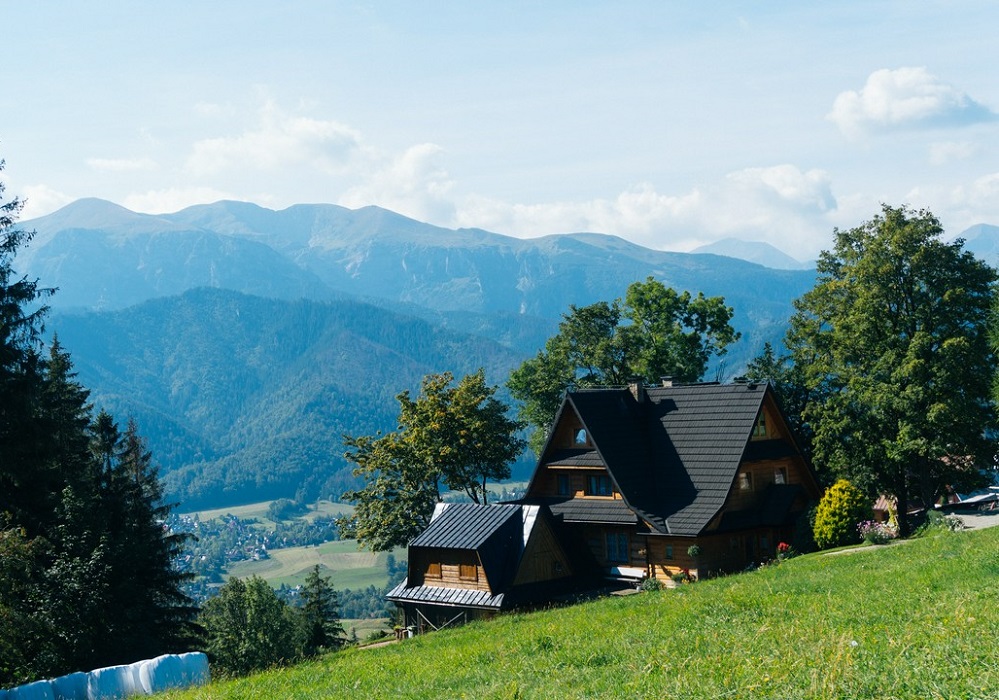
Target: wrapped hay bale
[(70, 687), (162, 673), (39, 690), (195, 668), (111, 682)]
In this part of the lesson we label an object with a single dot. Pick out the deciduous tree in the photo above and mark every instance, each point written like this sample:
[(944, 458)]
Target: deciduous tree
[(655, 331), (892, 342), (454, 436)]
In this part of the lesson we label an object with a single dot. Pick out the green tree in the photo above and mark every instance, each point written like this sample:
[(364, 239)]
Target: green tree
[(248, 628), (656, 331), (320, 614), (454, 436), (788, 381), (892, 343)]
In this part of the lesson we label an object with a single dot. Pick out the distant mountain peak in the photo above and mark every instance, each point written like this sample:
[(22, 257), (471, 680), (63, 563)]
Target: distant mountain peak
[(752, 251)]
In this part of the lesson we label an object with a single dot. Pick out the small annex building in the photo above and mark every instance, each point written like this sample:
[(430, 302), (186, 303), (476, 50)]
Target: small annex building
[(628, 481), (474, 561)]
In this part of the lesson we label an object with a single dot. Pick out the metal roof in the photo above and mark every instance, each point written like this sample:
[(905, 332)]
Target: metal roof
[(464, 525), (450, 597)]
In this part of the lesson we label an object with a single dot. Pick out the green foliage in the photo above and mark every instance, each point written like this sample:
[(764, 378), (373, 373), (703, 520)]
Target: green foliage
[(651, 584), (842, 506), (285, 509), (320, 614), (788, 381), (248, 628), (893, 347), (86, 578), (459, 436), (814, 627), (655, 331)]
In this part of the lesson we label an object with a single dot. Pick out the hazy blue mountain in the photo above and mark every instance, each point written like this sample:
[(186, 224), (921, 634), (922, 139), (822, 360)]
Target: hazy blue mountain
[(234, 390), (755, 252), (983, 241), (244, 398), (318, 251)]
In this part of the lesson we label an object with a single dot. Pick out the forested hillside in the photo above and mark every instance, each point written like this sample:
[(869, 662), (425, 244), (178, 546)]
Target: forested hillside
[(240, 395), (245, 341)]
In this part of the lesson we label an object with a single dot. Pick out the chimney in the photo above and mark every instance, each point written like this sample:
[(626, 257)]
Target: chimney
[(637, 388), (667, 381)]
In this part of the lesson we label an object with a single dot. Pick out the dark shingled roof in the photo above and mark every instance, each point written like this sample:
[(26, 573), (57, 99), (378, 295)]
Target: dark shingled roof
[(591, 510), (675, 455)]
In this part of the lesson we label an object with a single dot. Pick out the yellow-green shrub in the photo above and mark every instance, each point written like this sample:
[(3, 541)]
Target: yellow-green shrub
[(839, 511)]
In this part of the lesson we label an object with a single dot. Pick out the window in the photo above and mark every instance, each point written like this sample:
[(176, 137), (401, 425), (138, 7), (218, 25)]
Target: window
[(764, 543), (599, 486), (434, 570), (745, 481), (564, 485), (468, 572), (617, 546), (580, 437), (669, 551), (780, 475), (760, 430)]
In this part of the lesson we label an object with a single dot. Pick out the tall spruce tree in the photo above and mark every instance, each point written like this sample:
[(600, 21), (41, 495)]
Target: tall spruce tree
[(320, 614), (86, 577)]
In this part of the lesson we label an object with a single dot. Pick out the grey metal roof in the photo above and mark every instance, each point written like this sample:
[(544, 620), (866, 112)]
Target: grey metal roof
[(450, 597), (673, 456), (464, 525)]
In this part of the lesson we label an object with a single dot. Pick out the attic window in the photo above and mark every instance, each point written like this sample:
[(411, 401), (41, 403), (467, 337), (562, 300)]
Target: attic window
[(760, 429), (580, 438), (745, 481), (433, 570), (780, 475)]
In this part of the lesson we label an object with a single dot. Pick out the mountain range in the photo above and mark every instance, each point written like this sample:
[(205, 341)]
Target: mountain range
[(245, 340)]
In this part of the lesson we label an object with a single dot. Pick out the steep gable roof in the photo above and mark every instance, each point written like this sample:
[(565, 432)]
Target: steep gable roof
[(674, 454)]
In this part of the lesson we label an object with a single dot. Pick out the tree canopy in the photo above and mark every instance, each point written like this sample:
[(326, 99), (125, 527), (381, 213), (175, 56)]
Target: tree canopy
[(459, 437), (87, 576), (892, 344), (656, 331)]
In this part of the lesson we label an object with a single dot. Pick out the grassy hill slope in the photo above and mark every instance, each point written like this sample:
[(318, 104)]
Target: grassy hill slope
[(913, 620)]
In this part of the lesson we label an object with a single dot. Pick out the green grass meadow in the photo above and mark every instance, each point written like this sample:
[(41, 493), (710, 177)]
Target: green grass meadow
[(919, 619)]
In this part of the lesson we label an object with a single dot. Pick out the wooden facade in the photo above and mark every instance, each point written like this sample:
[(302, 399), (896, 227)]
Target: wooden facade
[(628, 482)]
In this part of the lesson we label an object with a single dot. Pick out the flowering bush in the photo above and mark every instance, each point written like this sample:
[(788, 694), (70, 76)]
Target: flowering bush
[(876, 533), (785, 551)]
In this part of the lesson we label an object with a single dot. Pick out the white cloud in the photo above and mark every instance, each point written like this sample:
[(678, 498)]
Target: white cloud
[(120, 165), (415, 184), (278, 141), (783, 205), (173, 199), (41, 199), (909, 96), (944, 152)]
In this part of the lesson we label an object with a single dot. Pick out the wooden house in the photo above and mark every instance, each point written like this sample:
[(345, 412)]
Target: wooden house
[(473, 561), (640, 475), (628, 482)]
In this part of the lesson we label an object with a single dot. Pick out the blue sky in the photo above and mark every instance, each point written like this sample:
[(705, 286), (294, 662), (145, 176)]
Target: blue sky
[(668, 124)]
